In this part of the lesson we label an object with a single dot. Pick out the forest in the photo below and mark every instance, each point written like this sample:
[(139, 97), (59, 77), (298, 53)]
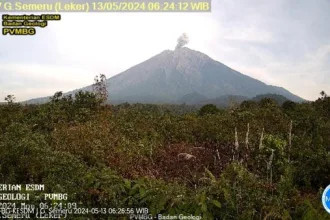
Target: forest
[(254, 160)]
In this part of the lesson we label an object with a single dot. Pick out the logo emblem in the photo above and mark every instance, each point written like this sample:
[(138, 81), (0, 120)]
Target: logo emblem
[(326, 199)]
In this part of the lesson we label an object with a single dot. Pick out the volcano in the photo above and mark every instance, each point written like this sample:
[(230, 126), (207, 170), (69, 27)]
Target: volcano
[(176, 75)]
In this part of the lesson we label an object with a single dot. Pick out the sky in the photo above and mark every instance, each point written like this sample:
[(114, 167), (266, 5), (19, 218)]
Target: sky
[(280, 42)]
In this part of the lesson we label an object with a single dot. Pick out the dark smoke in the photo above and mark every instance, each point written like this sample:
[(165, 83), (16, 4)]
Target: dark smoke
[(182, 41)]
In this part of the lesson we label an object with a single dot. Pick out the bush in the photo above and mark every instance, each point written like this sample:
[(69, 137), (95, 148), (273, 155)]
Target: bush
[(208, 109)]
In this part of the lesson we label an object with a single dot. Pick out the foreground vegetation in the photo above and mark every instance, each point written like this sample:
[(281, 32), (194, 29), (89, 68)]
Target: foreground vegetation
[(257, 160)]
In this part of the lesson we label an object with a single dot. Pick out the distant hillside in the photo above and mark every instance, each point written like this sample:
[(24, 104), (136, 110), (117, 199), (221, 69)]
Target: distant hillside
[(225, 101), (278, 98), (192, 98)]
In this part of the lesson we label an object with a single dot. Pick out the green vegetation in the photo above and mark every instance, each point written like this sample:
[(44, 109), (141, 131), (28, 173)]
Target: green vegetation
[(273, 167)]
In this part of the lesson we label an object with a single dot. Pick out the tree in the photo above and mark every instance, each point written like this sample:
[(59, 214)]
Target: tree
[(289, 106), (248, 104), (10, 99), (267, 102), (208, 109), (57, 96), (323, 94), (85, 99), (100, 88)]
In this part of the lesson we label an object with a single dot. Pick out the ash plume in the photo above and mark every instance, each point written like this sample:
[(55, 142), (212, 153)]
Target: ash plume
[(182, 41)]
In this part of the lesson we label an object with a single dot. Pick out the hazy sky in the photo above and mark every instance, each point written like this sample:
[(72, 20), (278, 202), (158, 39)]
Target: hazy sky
[(280, 42)]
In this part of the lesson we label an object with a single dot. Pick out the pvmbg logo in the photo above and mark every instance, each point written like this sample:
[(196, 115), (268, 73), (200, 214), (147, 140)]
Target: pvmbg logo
[(326, 199)]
